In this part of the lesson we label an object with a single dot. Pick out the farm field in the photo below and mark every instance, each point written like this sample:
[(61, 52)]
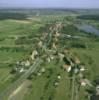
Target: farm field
[(36, 50)]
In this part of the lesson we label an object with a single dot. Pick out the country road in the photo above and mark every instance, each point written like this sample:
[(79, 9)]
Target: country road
[(5, 94)]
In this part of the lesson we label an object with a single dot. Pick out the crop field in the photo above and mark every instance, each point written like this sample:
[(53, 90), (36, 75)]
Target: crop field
[(51, 36)]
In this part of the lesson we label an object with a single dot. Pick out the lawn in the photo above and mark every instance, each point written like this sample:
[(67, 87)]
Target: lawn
[(19, 37), (90, 57)]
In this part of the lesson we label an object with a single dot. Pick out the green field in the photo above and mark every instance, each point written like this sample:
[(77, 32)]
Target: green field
[(19, 37)]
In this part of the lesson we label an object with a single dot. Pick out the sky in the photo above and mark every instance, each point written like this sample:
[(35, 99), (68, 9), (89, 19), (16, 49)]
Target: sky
[(49, 3)]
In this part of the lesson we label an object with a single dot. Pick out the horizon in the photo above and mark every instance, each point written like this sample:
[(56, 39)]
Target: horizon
[(65, 4), (42, 8)]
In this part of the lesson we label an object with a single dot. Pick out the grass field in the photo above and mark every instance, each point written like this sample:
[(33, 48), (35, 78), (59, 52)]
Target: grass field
[(10, 31), (19, 37)]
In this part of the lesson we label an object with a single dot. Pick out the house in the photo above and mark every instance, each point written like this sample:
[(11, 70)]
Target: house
[(21, 70), (18, 70), (51, 57), (34, 54), (40, 44), (54, 46), (27, 63), (83, 82), (94, 97), (59, 77), (61, 56), (82, 68), (67, 67), (77, 61), (57, 34)]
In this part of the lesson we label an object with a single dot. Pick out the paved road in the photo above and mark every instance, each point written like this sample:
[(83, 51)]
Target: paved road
[(5, 94)]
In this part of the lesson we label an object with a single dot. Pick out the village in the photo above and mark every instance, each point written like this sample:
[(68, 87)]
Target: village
[(49, 51), (49, 54)]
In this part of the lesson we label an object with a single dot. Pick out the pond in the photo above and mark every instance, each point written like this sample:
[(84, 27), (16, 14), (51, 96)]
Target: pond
[(88, 29)]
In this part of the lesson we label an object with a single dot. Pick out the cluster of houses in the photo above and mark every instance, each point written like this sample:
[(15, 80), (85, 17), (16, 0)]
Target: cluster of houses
[(22, 66), (74, 67), (71, 64)]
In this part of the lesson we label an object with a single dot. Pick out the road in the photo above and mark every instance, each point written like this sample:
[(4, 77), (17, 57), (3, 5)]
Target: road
[(5, 94)]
